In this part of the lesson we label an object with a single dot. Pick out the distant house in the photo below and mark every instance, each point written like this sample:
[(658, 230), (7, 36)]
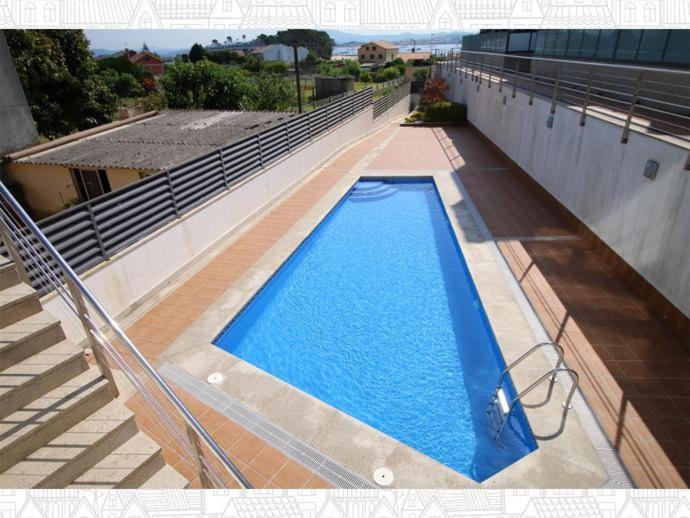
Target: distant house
[(280, 52), (147, 61), (378, 52)]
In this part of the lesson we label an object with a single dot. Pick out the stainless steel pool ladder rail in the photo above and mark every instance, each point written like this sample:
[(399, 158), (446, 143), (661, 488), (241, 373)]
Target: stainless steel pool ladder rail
[(74, 293), (553, 374)]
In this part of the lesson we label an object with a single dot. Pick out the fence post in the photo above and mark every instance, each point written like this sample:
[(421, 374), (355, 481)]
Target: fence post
[(555, 89), (481, 71), (261, 153), (631, 111), (222, 166), (587, 96), (196, 458), (100, 358), (96, 230), (309, 126), (13, 252), (534, 82), (287, 136)]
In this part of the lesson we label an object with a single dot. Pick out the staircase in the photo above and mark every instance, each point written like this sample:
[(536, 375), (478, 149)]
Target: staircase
[(60, 425)]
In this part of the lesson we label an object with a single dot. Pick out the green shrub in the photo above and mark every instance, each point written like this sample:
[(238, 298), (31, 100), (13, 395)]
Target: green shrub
[(365, 77), (446, 111)]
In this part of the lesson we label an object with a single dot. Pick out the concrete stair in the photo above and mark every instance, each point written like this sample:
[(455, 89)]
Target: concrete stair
[(59, 424)]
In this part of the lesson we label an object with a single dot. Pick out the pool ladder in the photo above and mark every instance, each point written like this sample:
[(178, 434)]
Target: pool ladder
[(499, 409)]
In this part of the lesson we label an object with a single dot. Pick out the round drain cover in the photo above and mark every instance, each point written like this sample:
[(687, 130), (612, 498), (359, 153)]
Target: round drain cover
[(383, 477), (215, 378)]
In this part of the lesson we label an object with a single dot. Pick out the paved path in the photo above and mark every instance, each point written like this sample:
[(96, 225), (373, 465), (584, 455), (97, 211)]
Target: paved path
[(635, 372)]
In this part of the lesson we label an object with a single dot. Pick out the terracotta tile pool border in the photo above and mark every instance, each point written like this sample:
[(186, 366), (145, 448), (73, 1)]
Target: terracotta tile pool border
[(659, 304)]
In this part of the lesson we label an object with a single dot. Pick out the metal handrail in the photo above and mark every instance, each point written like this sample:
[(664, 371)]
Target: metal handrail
[(559, 350), (620, 66), (634, 106), (79, 289)]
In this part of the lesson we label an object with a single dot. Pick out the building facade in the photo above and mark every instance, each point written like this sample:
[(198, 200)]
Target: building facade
[(377, 52)]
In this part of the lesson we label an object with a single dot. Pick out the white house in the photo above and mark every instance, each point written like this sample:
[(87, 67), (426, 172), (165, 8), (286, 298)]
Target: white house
[(280, 52)]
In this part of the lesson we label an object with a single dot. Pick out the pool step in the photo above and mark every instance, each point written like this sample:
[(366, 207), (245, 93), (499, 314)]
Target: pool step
[(374, 193)]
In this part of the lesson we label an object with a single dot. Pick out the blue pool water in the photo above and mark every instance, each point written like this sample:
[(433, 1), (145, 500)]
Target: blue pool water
[(376, 314)]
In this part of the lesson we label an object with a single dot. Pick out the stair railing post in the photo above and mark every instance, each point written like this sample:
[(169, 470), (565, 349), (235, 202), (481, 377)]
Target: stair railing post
[(555, 90), (631, 110), (583, 116), (13, 252), (206, 482), (98, 354)]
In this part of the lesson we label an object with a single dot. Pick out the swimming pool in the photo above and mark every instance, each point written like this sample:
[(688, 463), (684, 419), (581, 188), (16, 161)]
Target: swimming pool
[(376, 314)]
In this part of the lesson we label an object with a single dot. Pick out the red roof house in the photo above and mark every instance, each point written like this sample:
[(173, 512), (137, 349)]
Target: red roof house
[(147, 61)]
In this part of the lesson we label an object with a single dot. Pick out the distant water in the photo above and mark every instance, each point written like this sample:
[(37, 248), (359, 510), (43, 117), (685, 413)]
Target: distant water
[(442, 47)]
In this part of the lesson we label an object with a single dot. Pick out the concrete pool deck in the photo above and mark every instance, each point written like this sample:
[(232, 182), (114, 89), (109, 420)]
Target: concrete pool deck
[(180, 328)]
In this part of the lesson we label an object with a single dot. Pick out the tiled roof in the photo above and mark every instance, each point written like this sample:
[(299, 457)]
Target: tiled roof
[(414, 55), (157, 143), (293, 16), (385, 45), (136, 57), (396, 12), (576, 16), (112, 12)]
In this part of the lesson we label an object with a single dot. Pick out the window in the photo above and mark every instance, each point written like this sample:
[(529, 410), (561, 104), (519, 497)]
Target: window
[(30, 12), (629, 12), (227, 5), (678, 50), (90, 183), (380, 56), (371, 56), (329, 12), (652, 45), (561, 43), (649, 12), (575, 43), (589, 43), (444, 22), (49, 12), (350, 12), (607, 44), (527, 5), (628, 42)]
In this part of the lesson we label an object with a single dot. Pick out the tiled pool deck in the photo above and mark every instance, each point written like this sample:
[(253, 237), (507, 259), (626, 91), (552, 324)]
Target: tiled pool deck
[(634, 373)]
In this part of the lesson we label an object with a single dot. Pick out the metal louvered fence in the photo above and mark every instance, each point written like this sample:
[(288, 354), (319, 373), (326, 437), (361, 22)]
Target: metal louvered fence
[(89, 233), (386, 102)]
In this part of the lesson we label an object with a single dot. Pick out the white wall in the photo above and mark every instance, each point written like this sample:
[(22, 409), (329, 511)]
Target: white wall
[(126, 280), (597, 178)]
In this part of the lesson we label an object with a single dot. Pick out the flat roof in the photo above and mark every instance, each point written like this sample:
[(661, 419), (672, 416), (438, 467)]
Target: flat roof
[(169, 138)]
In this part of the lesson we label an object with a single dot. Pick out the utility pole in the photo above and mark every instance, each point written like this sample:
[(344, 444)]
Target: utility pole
[(295, 46)]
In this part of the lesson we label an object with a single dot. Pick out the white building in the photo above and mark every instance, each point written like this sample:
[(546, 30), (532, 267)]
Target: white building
[(280, 52)]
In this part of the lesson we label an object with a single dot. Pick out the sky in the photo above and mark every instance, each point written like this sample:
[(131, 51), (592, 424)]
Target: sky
[(182, 38)]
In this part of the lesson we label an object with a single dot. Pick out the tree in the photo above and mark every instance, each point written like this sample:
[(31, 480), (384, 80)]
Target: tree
[(273, 93), (215, 43), (206, 85), (365, 77), (351, 67), (122, 65), (144, 47), (61, 81), (196, 53), (318, 41), (228, 40), (254, 63)]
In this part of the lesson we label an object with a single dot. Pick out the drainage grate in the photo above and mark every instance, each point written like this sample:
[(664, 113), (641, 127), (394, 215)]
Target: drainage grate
[(298, 450)]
